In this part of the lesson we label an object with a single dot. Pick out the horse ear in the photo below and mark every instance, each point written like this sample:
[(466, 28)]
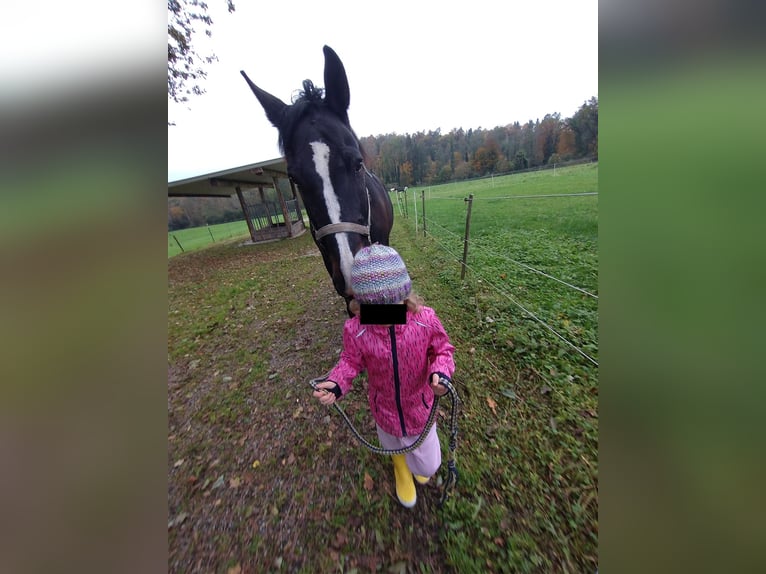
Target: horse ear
[(335, 83), (273, 106)]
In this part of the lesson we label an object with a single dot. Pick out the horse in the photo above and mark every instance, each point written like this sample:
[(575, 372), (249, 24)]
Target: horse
[(348, 206)]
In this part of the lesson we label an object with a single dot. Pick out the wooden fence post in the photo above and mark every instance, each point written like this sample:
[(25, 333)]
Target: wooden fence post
[(246, 211), (423, 198), (415, 207), (469, 199), (179, 243)]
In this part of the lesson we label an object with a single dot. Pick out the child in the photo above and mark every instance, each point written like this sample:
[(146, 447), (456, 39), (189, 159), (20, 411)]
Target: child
[(403, 363)]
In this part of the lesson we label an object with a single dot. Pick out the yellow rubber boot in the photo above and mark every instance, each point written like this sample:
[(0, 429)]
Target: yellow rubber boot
[(422, 479), (405, 486)]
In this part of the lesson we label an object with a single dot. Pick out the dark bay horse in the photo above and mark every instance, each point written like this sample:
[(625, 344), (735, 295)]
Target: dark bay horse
[(348, 207)]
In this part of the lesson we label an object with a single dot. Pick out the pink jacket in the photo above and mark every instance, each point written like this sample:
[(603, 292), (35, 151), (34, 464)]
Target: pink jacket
[(399, 361)]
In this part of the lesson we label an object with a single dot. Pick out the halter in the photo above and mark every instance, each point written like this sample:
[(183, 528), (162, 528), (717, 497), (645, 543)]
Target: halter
[(345, 226)]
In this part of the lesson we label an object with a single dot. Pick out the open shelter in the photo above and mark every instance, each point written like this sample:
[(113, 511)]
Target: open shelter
[(269, 215)]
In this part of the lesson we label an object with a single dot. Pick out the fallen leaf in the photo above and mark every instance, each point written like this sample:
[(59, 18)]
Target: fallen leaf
[(235, 569), (256, 463), (177, 520), (178, 463), (367, 482), (492, 404), (234, 482), (218, 483), (340, 539)]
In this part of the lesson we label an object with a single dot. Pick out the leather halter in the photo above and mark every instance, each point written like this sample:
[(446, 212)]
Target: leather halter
[(342, 227), (347, 227)]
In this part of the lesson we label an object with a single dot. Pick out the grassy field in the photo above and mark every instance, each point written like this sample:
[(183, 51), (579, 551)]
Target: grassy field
[(198, 237), (261, 478), (531, 254)]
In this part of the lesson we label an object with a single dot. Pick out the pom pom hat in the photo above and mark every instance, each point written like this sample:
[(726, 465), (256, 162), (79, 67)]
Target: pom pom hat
[(379, 276)]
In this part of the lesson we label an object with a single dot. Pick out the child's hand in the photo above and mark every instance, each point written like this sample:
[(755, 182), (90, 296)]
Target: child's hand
[(439, 390), (326, 396)]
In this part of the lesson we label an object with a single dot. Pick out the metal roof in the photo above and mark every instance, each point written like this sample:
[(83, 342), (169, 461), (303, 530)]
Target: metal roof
[(224, 183)]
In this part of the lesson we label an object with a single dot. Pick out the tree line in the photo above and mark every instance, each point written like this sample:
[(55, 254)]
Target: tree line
[(429, 158)]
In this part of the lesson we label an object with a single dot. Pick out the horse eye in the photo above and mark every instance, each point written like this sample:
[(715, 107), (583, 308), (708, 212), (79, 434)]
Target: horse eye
[(358, 166)]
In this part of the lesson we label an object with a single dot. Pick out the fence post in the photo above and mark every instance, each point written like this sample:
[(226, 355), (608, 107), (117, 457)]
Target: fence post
[(406, 211), (423, 198), (179, 244), (210, 232), (415, 207), (469, 199)]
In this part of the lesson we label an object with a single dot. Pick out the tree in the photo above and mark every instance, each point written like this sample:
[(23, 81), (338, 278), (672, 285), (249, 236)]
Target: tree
[(546, 137), (520, 160), (584, 124), (566, 144), (486, 157), (405, 174), (185, 64)]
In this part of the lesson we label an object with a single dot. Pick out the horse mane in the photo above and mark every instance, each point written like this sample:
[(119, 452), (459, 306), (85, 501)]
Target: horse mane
[(308, 99)]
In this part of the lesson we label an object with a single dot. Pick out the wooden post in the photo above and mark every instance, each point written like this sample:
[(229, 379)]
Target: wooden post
[(415, 207), (179, 244), (406, 211), (297, 203), (285, 213), (469, 199), (423, 199), (246, 211)]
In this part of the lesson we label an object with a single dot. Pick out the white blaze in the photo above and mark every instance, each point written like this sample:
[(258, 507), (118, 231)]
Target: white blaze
[(322, 165)]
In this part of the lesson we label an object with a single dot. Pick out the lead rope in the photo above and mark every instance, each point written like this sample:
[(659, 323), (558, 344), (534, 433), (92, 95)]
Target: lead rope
[(452, 474)]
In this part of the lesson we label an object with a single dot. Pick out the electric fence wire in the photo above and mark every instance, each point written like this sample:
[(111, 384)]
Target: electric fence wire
[(480, 247), (479, 198), (517, 304), (554, 388)]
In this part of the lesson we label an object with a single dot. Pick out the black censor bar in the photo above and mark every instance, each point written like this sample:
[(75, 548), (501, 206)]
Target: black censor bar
[(395, 314)]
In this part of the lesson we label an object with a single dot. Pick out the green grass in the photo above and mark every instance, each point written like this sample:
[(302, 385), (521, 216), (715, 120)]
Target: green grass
[(248, 326), (529, 498), (195, 238), (513, 242)]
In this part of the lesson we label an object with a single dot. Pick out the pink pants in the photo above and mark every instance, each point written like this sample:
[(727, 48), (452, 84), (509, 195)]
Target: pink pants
[(424, 460)]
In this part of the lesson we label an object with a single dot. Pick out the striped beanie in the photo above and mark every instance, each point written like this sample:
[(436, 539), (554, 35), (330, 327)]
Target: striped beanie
[(379, 276)]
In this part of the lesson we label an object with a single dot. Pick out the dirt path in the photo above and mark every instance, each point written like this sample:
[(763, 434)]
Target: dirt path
[(261, 477)]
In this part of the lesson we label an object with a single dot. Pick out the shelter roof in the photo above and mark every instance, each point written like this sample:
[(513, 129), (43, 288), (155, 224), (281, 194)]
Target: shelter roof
[(224, 183)]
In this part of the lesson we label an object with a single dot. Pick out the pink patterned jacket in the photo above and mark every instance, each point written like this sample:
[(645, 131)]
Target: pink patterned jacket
[(399, 360)]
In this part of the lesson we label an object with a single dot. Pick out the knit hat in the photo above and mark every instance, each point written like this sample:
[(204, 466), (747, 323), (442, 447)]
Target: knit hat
[(379, 276)]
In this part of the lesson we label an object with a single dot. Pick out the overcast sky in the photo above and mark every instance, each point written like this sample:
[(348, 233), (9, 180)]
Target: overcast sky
[(412, 66)]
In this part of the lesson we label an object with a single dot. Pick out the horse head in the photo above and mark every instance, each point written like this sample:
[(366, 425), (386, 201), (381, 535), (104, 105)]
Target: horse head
[(348, 207)]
